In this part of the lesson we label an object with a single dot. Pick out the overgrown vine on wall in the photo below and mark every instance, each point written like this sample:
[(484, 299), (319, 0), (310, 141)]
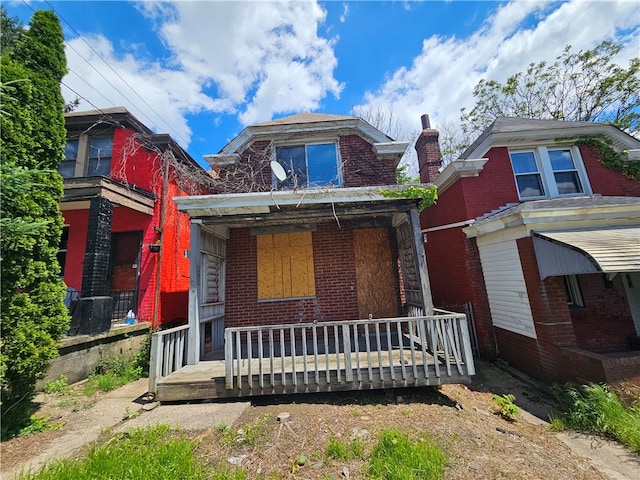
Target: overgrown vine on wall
[(426, 195), (609, 156)]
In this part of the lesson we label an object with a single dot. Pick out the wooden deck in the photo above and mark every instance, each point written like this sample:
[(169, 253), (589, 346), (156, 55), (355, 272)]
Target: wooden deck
[(338, 356), (207, 379)]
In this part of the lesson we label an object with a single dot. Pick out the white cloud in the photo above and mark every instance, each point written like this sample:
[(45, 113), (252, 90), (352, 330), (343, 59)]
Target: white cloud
[(441, 79), (258, 59)]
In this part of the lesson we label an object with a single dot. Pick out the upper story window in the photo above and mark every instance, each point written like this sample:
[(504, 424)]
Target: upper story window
[(312, 165), (548, 172), (67, 167), (87, 157), (99, 156)]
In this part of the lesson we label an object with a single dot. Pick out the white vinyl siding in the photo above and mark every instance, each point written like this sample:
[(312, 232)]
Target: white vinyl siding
[(506, 289)]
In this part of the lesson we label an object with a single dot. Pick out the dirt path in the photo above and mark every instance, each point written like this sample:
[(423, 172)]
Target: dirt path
[(480, 443)]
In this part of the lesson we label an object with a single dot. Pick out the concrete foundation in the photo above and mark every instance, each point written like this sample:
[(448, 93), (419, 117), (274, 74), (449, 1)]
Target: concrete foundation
[(79, 355)]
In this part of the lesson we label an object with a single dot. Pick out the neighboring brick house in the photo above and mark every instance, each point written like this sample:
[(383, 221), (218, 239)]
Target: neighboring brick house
[(544, 242), (124, 241), (320, 243)]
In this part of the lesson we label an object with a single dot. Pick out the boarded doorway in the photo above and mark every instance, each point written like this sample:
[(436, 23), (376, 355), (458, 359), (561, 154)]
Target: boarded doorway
[(375, 273)]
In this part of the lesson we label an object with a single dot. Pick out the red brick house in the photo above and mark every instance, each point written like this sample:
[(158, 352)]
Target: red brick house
[(295, 272), (543, 241), (124, 240)]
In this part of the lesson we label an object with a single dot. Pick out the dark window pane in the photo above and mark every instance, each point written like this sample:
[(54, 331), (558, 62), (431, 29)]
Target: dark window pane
[(323, 164), (100, 147), (524, 162), (71, 150), (294, 162), (99, 166), (561, 160), (567, 182), (67, 168), (529, 186)]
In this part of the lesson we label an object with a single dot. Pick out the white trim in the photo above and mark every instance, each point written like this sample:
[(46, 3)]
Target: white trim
[(459, 169)]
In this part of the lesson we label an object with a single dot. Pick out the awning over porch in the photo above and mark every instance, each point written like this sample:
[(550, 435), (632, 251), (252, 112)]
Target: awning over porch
[(574, 252)]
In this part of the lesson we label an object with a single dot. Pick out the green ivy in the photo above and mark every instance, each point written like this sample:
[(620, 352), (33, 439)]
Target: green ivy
[(426, 195), (609, 156)]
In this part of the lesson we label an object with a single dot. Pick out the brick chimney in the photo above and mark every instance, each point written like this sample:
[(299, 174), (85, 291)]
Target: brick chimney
[(428, 148)]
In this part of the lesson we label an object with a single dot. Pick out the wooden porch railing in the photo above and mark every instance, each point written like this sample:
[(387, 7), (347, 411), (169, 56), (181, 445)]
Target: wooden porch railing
[(168, 353), (349, 351)]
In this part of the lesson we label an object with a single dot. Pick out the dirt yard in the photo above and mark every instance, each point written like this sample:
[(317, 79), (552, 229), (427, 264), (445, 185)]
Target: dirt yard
[(461, 419)]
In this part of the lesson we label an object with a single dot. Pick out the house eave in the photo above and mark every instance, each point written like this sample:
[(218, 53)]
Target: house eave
[(459, 169), (620, 140), (521, 222), (79, 191), (357, 200)]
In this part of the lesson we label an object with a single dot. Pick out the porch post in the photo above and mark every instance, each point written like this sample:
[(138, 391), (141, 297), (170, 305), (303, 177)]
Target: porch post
[(193, 344), (421, 259)]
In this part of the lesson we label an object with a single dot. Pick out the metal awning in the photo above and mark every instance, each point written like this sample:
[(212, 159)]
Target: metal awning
[(575, 252)]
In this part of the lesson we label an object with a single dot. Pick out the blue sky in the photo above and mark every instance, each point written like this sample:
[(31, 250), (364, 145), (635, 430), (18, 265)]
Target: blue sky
[(203, 70)]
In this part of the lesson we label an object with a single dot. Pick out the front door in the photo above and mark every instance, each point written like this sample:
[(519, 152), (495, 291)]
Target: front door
[(376, 278), (125, 268)]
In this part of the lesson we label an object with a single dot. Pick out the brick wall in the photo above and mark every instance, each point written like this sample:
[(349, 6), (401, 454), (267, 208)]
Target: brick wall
[(605, 323), (334, 267), (606, 181), (361, 167)]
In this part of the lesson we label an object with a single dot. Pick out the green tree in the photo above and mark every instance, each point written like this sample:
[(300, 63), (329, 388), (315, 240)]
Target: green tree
[(10, 30), (32, 143), (577, 86)]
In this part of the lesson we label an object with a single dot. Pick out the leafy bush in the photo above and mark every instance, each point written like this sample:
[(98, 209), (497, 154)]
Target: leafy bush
[(506, 405), (61, 385), (596, 409)]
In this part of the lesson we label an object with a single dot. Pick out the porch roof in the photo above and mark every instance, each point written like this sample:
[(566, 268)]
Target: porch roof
[(572, 252), (297, 206)]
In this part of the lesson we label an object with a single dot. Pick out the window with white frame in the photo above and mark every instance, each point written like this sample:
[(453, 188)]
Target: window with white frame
[(572, 289), (548, 172), (310, 165)]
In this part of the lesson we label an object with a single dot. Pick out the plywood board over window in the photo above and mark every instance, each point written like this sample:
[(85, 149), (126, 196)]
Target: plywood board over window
[(375, 273), (285, 265)]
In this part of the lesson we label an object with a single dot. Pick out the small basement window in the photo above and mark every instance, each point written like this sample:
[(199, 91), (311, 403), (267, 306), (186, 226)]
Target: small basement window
[(572, 289)]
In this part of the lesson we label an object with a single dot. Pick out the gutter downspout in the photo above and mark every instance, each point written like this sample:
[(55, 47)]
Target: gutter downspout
[(464, 223), (160, 230)]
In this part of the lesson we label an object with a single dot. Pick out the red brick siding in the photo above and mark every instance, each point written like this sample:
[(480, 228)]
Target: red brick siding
[(605, 324), (429, 156), (335, 275), (139, 167), (606, 181), (361, 167)]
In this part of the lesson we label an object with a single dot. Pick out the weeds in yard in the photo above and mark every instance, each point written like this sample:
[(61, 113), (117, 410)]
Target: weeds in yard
[(111, 373), (251, 435), (39, 424), (397, 457), (506, 406), (165, 454), (596, 409), (339, 450), (60, 386)]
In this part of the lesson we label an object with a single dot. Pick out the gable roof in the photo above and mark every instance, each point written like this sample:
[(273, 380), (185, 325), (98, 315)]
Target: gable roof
[(307, 125), (512, 130)]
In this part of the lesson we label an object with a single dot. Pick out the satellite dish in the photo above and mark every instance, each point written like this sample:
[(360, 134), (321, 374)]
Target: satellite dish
[(278, 171)]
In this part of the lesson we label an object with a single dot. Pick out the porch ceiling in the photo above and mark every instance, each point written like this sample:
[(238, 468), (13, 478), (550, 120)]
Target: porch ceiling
[(78, 192), (572, 252), (278, 207)]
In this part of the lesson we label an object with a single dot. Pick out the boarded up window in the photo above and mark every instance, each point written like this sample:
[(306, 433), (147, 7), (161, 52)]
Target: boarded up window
[(285, 266)]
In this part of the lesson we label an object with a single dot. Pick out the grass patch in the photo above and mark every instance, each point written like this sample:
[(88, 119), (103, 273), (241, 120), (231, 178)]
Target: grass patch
[(141, 454), (39, 424), (111, 373), (596, 409), (339, 450), (248, 435), (397, 457)]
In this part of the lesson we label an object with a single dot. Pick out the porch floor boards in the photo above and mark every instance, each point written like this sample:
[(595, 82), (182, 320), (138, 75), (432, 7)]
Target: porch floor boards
[(206, 379)]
